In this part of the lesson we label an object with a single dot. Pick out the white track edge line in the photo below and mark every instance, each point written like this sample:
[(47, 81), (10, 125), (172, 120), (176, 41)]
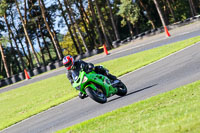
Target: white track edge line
[(160, 59)]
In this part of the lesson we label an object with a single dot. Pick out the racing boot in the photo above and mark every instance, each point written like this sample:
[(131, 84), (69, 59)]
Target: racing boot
[(114, 80), (82, 96)]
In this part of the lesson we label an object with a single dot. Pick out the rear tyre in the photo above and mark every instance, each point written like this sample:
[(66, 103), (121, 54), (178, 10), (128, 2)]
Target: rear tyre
[(121, 89), (97, 95)]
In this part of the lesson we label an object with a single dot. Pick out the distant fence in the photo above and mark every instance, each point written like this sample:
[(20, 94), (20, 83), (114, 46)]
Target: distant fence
[(117, 43)]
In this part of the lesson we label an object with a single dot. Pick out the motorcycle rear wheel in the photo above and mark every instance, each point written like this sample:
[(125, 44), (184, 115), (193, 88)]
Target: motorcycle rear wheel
[(96, 95)]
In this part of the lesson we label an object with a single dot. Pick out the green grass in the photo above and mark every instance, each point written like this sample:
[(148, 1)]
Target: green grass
[(18, 104), (21, 103), (176, 111)]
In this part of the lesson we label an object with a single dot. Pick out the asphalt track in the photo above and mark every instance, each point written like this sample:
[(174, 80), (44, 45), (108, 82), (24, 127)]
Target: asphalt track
[(178, 69), (138, 46)]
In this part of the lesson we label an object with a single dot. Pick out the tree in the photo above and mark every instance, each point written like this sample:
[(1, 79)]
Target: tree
[(25, 31), (112, 20), (3, 6), (87, 31), (86, 14), (102, 23), (73, 28), (142, 4), (91, 6), (19, 37), (67, 45), (43, 38), (4, 58), (192, 8), (130, 12), (41, 4), (13, 37), (171, 10), (41, 49), (70, 12), (160, 12), (68, 26), (15, 55)]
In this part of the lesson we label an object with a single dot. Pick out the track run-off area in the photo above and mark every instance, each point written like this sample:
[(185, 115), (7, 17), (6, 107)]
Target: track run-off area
[(173, 71)]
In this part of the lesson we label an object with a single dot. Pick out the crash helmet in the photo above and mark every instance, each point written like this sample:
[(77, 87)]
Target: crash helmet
[(68, 62)]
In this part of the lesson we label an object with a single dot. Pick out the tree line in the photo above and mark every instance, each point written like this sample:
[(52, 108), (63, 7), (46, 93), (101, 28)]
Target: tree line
[(38, 32)]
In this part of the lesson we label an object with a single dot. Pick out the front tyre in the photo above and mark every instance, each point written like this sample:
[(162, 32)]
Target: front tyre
[(121, 89), (96, 95)]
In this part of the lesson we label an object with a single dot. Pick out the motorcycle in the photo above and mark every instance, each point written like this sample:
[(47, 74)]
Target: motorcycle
[(97, 86)]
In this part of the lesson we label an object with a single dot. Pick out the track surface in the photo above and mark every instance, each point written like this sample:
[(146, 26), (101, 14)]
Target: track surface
[(171, 72), (133, 47)]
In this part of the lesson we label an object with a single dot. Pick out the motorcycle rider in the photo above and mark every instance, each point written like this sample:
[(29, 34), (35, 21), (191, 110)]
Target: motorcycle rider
[(73, 68)]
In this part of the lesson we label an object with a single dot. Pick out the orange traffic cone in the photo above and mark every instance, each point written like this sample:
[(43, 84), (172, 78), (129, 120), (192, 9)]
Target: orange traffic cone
[(105, 49), (26, 74), (166, 31)]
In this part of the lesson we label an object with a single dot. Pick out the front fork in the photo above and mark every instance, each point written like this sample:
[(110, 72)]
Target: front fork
[(112, 91)]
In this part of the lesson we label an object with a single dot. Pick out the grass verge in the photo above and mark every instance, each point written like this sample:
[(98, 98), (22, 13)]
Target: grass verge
[(176, 111), (21, 103)]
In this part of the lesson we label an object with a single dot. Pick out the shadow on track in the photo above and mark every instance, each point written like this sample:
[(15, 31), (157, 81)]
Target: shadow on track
[(133, 92)]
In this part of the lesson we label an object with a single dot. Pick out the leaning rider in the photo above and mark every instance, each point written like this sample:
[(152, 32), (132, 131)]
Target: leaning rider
[(73, 68)]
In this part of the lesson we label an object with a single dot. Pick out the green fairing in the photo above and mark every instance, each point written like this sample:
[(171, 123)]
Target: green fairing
[(94, 80)]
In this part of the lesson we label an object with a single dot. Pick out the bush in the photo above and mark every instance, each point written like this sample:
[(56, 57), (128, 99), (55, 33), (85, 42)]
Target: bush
[(1, 77)]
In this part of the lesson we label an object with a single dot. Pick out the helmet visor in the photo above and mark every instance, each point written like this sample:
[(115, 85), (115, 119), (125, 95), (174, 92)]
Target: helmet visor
[(68, 64)]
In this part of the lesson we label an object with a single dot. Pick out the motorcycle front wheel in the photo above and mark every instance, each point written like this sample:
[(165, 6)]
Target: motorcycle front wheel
[(121, 89), (97, 95)]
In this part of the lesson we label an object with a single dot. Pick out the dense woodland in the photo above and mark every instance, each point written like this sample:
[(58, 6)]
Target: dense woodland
[(39, 32)]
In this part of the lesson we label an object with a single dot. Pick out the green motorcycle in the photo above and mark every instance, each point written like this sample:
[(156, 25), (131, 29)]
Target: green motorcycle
[(97, 86)]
